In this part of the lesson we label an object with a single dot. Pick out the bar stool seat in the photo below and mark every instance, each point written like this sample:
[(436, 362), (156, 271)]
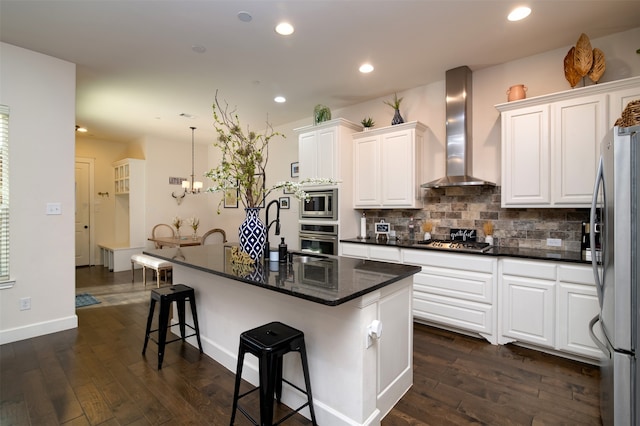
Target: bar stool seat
[(269, 343), (178, 293)]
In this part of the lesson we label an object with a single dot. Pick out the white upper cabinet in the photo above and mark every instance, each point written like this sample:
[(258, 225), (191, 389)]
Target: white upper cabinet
[(525, 156), (324, 150), (388, 166), (551, 143), (579, 125)]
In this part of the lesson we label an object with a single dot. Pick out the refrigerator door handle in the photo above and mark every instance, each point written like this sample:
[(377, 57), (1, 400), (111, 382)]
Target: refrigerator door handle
[(595, 339), (592, 227)]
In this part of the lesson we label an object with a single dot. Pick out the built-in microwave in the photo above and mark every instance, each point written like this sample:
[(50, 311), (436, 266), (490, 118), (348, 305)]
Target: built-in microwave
[(321, 204)]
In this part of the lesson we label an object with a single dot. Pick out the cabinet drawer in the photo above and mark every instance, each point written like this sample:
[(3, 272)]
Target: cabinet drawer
[(576, 274), (388, 254), (463, 285), (449, 260), (354, 250), (460, 314), (529, 269)]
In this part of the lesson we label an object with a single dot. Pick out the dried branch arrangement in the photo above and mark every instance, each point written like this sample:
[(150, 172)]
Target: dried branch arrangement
[(488, 228), (582, 60)]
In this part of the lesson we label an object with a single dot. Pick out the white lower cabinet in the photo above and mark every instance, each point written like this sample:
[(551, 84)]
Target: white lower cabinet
[(455, 291), (577, 305), (548, 305), (528, 302), (545, 304)]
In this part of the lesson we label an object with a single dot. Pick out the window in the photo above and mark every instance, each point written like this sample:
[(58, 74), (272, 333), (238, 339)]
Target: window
[(4, 194)]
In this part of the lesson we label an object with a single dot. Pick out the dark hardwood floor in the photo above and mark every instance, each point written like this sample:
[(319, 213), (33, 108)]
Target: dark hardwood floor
[(96, 374)]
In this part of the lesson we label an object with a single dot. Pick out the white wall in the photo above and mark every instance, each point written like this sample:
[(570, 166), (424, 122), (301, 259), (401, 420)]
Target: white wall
[(40, 91)]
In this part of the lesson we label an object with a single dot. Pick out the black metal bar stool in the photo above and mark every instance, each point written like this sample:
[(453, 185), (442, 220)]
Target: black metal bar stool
[(269, 343), (178, 293)]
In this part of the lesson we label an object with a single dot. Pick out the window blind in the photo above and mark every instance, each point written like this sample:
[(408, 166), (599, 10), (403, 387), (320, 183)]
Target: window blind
[(4, 193)]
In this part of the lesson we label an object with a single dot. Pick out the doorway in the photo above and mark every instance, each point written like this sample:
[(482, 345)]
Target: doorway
[(84, 233)]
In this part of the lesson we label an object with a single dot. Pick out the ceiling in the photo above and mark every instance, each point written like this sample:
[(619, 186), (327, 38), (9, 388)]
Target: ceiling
[(137, 71)]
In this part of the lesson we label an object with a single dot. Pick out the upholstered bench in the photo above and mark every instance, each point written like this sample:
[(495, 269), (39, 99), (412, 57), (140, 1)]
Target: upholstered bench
[(158, 265)]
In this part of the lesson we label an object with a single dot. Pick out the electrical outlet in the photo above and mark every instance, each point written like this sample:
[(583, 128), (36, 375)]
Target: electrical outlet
[(25, 303), (54, 208), (554, 242)]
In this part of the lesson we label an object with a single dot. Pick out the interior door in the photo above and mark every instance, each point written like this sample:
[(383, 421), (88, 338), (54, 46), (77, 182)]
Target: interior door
[(82, 214)]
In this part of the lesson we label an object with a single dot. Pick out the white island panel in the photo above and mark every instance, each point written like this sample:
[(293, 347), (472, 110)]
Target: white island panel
[(351, 384)]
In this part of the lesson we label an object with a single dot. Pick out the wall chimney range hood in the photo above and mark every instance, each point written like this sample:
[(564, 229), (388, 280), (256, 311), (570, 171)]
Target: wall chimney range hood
[(458, 127)]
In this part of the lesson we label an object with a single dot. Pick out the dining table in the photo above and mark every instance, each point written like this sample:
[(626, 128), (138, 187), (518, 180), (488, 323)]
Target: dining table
[(182, 241)]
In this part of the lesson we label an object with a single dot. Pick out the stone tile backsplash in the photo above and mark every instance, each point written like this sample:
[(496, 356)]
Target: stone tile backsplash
[(471, 207)]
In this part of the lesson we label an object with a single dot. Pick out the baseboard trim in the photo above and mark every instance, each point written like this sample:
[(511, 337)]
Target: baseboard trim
[(38, 329)]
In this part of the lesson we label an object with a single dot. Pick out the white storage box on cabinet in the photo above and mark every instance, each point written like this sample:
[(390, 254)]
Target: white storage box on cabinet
[(388, 166), (457, 291), (528, 302)]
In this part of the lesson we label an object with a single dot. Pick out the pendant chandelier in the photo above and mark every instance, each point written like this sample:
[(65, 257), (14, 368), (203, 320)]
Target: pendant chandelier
[(193, 186)]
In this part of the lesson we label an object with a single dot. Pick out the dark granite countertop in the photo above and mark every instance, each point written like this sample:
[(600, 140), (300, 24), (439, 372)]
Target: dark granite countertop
[(534, 254), (329, 280)]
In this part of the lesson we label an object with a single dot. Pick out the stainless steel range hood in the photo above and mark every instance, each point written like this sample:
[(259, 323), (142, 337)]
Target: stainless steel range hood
[(459, 142)]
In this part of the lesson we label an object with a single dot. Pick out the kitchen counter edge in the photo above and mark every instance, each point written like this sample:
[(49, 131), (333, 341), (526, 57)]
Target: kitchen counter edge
[(524, 253)]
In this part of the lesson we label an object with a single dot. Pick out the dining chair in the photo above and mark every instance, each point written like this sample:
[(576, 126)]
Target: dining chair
[(162, 230), (208, 239)]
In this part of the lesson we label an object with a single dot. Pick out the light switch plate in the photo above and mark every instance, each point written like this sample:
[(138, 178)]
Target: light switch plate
[(54, 208)]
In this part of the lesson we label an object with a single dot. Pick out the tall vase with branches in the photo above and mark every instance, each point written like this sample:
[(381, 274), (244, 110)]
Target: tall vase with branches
[(245, 155)]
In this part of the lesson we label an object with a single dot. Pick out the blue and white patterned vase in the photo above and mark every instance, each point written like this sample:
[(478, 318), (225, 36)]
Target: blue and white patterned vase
[(397, 118), (252, 233)]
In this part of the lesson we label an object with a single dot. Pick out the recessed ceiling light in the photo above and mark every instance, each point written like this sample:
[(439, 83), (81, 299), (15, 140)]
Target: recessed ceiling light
[(244, 16), (198, 48), (284, 28), (366, 68), (519, 13), (280, 99), (81, 129)]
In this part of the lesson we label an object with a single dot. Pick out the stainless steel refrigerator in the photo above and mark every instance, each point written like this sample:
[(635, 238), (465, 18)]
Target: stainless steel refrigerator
[(616, 215)]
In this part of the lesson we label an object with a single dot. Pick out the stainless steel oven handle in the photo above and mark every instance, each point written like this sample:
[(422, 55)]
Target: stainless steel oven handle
[(317, 238)]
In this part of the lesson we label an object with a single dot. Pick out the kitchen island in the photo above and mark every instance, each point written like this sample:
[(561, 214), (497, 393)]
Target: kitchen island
[(355, 379)]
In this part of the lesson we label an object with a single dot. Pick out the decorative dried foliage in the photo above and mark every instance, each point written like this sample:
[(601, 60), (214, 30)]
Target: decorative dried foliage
[(583, 56), (598, 65), (570, 72), (582, 60)]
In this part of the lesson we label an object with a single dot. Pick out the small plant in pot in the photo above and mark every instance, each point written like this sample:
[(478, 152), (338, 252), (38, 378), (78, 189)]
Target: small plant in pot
[(367, 123), (397, 118)]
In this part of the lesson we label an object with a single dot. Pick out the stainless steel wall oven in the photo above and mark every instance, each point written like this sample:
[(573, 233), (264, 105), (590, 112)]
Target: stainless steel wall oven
[(319, 238)]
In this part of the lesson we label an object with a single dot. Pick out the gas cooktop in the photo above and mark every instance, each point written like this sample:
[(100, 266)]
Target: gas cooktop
[(451, 245)]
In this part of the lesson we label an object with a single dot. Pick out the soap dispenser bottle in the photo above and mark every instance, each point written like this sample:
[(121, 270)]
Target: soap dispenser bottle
[(282, 251)]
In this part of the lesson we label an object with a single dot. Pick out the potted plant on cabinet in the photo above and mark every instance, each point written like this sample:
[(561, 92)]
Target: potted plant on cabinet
[(367, 123), (397, 118)]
